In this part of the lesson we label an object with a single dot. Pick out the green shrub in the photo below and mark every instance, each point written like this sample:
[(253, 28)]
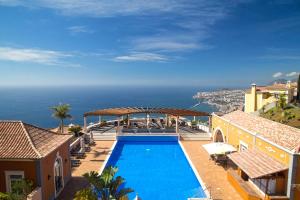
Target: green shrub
[(4, 196), (75, 130), (194, 123), (85, 194)]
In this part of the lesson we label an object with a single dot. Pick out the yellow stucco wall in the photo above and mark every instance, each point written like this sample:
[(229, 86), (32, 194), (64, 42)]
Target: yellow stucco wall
[(234, 135), (249, 106), (262, 99)]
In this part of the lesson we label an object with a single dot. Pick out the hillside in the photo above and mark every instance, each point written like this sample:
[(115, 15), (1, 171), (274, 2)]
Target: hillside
[(291, 118), (282, 81)]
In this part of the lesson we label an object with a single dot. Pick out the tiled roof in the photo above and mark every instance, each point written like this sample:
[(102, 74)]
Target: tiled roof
[(285, 136), (19, 140), (268, 88)]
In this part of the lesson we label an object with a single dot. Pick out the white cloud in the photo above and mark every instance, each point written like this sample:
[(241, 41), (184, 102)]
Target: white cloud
[(281, 57), (170, 43), (209, 11), (142, 56), (179, 25), (39, 56), (98, 8), (292, 74), (277, 74), (78, 29)]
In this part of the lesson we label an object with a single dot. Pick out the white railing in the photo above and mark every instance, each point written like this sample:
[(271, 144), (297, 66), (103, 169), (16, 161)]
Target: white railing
[(203, 127), (74, 144), (98, 123)]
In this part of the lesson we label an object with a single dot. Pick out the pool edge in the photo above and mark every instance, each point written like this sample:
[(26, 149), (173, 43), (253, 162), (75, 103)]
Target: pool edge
[(202, 183), (107, 158)]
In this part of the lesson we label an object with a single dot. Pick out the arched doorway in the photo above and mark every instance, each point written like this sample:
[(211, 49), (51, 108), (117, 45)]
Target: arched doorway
[(218, 136), (58, 175)]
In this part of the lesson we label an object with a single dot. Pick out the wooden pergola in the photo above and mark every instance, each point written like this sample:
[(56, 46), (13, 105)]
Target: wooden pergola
[(126, 111)]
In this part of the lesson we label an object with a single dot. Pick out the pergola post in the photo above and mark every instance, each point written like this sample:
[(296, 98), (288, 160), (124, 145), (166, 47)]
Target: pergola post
[(167, 121), (118, 127), (99, 119), (209, 123), (176, 119), (128, 121), (267, 187), (84, 124), (147, 116)]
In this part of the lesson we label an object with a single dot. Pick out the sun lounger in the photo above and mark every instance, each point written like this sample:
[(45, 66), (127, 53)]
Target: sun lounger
[(75, 163)]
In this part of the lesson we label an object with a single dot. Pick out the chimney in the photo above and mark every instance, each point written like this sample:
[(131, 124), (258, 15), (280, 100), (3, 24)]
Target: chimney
[(253, 94)]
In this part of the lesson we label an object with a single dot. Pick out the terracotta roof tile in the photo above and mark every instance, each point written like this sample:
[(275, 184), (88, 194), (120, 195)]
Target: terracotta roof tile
[(285, 136), (19, 140)]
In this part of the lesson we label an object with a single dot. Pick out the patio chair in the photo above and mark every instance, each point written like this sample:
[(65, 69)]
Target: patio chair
[(221, 160)]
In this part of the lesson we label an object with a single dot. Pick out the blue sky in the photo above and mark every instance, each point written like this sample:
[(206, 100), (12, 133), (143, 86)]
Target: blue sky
[(157, 42)]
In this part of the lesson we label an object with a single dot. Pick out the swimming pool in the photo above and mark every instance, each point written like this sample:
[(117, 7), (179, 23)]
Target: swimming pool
[(155, 169)]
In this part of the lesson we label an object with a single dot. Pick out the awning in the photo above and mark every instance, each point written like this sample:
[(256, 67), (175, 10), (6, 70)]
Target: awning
[(218, 148), (138, 110), (256, 164)]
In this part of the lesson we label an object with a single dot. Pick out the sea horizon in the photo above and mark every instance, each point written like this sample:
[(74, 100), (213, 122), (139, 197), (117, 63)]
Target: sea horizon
[(33, 104)]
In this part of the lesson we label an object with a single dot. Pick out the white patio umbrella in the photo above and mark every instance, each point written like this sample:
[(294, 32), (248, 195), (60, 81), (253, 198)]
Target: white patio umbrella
[(218, 148)]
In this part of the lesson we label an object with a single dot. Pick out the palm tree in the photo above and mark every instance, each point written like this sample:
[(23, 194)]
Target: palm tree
[(281, 101), (106, 186), (85, 194), (61, 112)]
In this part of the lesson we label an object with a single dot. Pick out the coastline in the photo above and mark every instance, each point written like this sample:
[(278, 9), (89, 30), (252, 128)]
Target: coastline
[(224, 100)]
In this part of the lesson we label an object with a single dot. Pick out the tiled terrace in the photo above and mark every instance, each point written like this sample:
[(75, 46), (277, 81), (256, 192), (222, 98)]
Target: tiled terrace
[(214, 176), (92, 162)]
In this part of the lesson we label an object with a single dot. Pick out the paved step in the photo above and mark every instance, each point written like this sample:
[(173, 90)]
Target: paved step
[(104, 136), (204, 137)]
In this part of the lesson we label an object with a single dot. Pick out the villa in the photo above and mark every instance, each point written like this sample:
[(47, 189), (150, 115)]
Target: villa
[(264, 162), (268, 157), (260, 96), (35, 154)]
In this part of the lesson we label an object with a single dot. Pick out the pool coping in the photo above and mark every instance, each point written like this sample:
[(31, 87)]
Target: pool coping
[(205, 190)]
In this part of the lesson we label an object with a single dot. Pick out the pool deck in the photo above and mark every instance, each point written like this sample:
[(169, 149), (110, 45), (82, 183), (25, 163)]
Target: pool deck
[(214, 176)]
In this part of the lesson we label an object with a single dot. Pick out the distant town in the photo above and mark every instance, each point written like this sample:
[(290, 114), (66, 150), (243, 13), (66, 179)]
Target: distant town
[(224, 100)]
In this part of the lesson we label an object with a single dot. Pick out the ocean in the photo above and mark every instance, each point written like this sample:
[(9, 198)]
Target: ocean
[(32, 104)]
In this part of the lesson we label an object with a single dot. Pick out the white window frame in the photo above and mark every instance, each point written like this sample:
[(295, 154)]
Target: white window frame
[(8, 180), (243, 144), (58, 157)]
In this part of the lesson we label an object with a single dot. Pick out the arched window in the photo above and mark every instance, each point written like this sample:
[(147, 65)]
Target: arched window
[(218, 136), (58, 175)]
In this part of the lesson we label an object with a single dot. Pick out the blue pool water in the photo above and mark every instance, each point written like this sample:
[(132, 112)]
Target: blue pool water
[(155, 170)]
